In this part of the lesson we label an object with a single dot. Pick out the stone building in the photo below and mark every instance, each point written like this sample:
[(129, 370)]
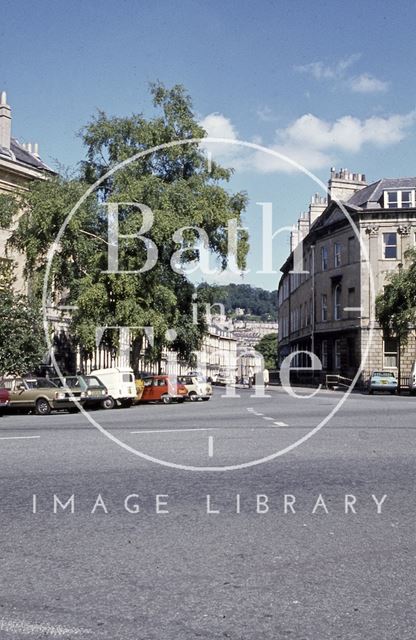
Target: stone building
[(19, 165), (336, 269)]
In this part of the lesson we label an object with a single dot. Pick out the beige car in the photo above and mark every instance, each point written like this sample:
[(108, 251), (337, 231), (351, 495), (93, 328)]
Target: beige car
[(42, 395), (197, 386)]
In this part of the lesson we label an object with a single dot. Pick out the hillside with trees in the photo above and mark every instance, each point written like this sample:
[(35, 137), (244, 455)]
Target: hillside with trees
[(254, 300)]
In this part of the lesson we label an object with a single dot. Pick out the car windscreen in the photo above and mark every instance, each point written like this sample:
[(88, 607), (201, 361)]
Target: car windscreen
[(128, 377), (72, 382), (92, 381), (383, 374)]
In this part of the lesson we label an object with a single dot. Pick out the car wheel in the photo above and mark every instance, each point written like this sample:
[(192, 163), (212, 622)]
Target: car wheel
[(166, 399), (43, 408), (108, 403), (180, 400), (370, 392), (206, 399), (193, 397)]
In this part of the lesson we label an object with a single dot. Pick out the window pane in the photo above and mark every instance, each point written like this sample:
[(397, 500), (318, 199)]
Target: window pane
[(390, 252), (389, 238), (406, 199), (392, 198)]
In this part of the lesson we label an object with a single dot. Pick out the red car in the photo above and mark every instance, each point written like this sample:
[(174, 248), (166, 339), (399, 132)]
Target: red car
[(161, 389), (4, 399)]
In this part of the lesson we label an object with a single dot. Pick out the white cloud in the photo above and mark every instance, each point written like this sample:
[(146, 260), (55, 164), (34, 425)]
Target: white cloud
[(310, 141), (218, 126), (321, 71), (366, 83), (337, 72)]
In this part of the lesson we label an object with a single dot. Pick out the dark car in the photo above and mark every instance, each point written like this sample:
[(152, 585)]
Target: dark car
[(4, 399), (94, 390)]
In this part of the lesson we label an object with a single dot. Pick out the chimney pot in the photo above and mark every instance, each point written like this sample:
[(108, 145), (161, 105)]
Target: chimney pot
[(5, 122)]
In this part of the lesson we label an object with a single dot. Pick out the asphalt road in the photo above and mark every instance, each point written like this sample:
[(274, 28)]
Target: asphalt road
[(108, 568)]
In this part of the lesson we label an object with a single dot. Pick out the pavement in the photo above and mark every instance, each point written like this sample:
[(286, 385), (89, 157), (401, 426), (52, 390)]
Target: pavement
[(313, 544)]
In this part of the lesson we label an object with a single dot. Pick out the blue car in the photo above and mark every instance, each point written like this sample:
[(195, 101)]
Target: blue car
[(383, 381)]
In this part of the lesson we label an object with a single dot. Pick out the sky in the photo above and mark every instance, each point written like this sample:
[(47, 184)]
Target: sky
[(323, 83)]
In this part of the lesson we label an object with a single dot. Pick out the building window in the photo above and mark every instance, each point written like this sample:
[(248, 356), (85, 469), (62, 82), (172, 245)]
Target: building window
[(324, 258), (324, 354), (351, 249), (337, 354), (399, 199), (337, 302), (390, 246), (390, 352), (337, 254), (407, 200), (351, 301), (324, 307), (392, 200)]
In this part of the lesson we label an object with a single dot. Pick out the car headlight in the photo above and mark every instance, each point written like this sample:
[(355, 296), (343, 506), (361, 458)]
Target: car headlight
[(103, 392), (88, 392), (59, 395), (83, 394)]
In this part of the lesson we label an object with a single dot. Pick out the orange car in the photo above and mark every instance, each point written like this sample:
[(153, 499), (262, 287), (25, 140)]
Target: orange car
[(163, 389)]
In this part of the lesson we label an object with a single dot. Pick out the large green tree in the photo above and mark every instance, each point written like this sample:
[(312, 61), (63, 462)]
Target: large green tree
[(180, 188), (396, 306), (22, 340), (267, 346)]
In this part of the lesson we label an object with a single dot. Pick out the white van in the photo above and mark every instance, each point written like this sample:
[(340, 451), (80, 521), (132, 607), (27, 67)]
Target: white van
[(412, 380), (120, 384)]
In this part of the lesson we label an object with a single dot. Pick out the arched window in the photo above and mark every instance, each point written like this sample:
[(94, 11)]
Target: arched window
[(337, 302)]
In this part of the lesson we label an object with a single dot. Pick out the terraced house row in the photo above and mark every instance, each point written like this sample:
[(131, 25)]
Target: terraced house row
[(329, 309)]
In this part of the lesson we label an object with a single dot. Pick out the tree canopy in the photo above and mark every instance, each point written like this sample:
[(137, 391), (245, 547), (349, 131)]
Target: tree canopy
[(268, 346), (180, 188), (22, 340), (396, 306)]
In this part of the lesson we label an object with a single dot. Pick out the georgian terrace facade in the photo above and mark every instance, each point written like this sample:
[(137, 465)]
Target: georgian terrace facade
[(330, 310)]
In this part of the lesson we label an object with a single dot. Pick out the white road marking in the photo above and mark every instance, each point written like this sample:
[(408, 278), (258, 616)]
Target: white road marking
[(267, 418), (280, 424), (28, 629), (170, 430), (210, 446), (18, 437)]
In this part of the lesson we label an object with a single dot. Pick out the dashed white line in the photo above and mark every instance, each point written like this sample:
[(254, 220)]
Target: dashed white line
[(281, 424), (18, 437), (267, 418), (25, 628), (170, 430), (210, 446)]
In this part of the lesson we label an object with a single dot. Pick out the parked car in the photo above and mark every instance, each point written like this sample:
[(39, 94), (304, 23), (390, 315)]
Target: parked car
[(120, 384), (95, 391), (412, 380), (383, 381), (4, 399), (160, 389), (197, 387), (42, 395)]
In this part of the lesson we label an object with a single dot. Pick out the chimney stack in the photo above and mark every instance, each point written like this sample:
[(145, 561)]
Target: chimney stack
[(343, 184), (5, 121)]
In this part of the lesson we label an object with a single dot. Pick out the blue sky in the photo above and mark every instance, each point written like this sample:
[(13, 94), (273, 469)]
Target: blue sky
[(328, 83)]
